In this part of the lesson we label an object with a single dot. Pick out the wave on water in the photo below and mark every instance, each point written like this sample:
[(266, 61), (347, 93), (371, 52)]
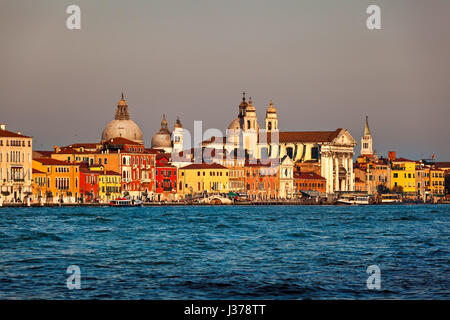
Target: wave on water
[(38, 235)]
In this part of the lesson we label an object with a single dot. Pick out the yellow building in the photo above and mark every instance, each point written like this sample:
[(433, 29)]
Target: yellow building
[(403, 175), (196, 179), (62, 180), (437, 182), (109, 184)]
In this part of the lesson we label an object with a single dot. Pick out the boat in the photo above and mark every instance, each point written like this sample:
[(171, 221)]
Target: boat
[(353, 199), (391, 198), (121, 202)]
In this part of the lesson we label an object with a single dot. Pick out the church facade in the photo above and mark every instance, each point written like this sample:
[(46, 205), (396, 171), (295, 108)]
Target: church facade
[(333, 150)]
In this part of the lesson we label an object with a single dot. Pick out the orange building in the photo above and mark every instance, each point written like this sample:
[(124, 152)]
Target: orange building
[(261, 181), (309, 181), (62, 180)]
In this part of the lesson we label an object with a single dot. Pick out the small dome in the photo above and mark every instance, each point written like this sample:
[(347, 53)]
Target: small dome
[(178, 124), (271, 108), (250, 107), (163, 138), (235, 124)]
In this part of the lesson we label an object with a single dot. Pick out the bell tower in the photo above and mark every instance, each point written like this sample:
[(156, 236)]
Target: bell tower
[(177, 136), (366, 141)]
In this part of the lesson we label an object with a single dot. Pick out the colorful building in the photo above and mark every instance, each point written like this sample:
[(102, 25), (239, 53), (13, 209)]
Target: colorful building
[(165, 178), (309, 181), (196, 179), (109, 186), (403, 177), (437, 182), (89, 183), (62, 180), (39, 186), (262, 181), (15, 166)]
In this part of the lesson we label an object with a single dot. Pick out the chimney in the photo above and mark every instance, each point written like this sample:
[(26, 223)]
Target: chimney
[(391, 155), (3, 126), (56, 149)]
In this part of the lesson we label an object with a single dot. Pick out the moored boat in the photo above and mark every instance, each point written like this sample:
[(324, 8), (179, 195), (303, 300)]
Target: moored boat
[(353, 199)]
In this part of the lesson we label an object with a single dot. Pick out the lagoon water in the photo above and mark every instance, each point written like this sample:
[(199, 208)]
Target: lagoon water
[(226, 252)]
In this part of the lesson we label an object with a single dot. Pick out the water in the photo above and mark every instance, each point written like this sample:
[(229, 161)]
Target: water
[(255, 252)]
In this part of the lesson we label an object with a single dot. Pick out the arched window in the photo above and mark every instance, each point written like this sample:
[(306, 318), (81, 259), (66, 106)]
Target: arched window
[(269, 126), (289, 152), (248, 124)]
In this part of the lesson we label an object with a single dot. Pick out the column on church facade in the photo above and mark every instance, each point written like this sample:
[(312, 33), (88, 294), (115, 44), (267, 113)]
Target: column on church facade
[(336, 170), (352, 175)]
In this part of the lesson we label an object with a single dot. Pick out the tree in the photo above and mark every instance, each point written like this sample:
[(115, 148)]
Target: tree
[(382, 189), (397, 189)]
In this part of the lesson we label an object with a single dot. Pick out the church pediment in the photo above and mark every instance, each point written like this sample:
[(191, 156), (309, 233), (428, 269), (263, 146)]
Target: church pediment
[(344, 138)]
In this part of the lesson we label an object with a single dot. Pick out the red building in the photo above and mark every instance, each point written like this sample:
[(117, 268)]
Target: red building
[(137, 167), (88, 184), (261, 181), (165, 178), (309, 181)]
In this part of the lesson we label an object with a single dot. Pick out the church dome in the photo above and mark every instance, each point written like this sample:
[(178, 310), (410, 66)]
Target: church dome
[(250, 107), (122, 126), (271, 108), (178, 124), (162, 139), (235, 124)]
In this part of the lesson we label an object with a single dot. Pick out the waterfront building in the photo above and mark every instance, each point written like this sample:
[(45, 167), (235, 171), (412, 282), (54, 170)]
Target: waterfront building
[(360, 185), (202, 178), (262, 180), (39, 186), (235, 165), (423, 182), (89, 184), (374, 173), (446, 167), (403, 177), (62, 180), (333, 150), (122, 126), (15, 165), (360, 178), (109, 186), (286, 176), (131, 159), (437, 183), (305, 182), (165, 178)]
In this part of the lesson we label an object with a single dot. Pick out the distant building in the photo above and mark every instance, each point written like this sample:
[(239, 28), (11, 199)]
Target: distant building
[(309, 181), (15, 165), (333, 150), (403, 176), (203, 178), (165, 178), (62, 180), (262, 181)]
